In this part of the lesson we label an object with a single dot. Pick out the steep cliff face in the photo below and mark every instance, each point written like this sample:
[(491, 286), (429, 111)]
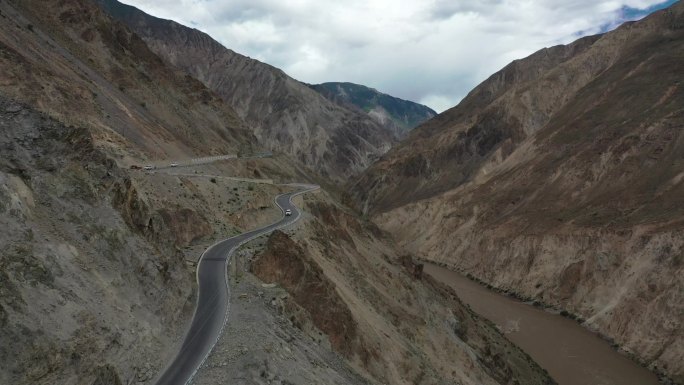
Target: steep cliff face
[(393, 324), (398, 114), (286, 115), (560, 178)]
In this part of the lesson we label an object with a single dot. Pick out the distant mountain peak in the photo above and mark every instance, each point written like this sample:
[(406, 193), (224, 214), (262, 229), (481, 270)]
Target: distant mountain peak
[(399, 114)]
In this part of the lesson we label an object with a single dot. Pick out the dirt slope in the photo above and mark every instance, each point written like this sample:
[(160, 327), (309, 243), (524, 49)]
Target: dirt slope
[(560, 178)]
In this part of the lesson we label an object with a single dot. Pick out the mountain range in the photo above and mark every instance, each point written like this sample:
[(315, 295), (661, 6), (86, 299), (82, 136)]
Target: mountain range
[(557, 180)]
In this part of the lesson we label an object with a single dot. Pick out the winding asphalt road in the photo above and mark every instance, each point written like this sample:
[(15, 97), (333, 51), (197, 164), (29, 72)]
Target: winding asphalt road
[(213, 303)]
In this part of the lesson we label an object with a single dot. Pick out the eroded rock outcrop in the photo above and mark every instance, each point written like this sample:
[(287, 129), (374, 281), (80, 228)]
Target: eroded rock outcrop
[(285, 263)]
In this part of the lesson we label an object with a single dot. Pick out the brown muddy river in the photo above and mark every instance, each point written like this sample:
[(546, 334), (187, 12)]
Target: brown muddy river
[(570, 353)]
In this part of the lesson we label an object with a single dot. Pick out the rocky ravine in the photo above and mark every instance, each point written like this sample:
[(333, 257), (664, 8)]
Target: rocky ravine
[(560, 179), (286, 115), (97, 272)]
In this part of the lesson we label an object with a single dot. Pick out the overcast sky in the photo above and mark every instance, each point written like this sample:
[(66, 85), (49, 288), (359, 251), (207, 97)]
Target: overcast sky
[(430, 51)]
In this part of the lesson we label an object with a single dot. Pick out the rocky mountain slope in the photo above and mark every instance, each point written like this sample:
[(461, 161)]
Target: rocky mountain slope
[(71, 61), (560, 178), (401, 115), (80, 293), (374, 306), (96, 276), (286, 115)]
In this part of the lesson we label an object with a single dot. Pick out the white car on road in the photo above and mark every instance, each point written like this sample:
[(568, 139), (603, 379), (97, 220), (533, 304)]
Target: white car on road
[(288, 212)]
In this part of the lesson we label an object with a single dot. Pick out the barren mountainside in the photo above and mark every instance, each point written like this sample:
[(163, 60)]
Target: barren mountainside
[(560, 178), (286, 115), (71, 61), (401, 115)]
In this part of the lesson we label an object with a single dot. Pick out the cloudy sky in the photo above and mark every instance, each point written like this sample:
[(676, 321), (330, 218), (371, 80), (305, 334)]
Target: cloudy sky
[(429, 51)]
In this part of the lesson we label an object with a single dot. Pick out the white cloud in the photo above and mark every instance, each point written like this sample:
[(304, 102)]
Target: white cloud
[(431, 51), (437, 102)]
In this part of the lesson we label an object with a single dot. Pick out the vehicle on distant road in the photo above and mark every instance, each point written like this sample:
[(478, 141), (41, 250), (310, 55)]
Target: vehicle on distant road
[(174, 164), (148, 167), (288, 212)]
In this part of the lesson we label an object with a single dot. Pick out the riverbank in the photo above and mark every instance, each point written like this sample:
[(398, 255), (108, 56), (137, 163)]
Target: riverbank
[(570, 353)]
